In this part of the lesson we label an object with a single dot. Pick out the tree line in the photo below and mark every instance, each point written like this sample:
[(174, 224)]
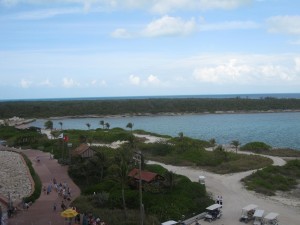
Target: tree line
[(45, 109)]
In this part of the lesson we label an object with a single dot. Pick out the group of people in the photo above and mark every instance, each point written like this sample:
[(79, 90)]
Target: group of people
[(62, 189), (90, 219), (219, 200)]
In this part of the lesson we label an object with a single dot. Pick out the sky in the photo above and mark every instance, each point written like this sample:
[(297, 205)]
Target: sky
[(111, 48)]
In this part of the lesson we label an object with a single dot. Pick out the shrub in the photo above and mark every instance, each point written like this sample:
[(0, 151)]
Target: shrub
[(256, 147), (37, 182)]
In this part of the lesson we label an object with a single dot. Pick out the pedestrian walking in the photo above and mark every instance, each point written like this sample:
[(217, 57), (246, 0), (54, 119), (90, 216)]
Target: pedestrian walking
[(54, 206), (218, 200)]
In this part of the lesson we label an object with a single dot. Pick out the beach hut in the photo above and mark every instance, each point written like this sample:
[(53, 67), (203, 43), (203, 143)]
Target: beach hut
[(84, 151)]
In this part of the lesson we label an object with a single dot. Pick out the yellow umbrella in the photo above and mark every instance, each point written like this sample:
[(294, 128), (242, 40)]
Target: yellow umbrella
[(69, 213)]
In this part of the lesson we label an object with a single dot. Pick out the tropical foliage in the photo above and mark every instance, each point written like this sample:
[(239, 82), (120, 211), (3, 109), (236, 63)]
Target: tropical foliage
[(42, 109), (274, 178)]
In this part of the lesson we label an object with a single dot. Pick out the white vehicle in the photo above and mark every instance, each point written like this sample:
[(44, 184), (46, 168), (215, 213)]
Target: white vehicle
[(247, 213), (258, 217), (213, 212), (170, 222), (271, 219)]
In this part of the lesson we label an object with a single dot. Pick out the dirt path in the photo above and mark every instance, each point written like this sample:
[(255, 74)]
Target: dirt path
[(41, 212), (235, 196)]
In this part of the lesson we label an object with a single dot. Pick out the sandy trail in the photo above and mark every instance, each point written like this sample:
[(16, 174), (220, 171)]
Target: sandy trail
[(235, 196)]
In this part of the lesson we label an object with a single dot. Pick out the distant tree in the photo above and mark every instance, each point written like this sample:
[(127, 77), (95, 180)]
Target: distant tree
[(61, 124), (221, 151), (212, 142), (236, 144), (102, 123), (130, 126), (49, 125), (88, 125), (181, 144), (107, 125), (180, 134)]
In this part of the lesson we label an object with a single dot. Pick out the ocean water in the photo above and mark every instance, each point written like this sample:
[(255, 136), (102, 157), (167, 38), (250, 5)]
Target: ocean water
[(250, 96), (275, 129)]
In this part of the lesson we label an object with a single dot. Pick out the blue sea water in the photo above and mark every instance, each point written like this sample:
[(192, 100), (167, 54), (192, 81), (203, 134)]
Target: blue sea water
[(275, 129), (250, 96)]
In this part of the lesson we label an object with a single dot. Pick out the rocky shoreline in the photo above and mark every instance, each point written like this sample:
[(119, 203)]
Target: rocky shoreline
[(15, 179)]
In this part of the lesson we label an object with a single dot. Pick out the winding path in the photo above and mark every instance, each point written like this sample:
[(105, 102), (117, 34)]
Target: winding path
[(41, 212), (235, 196)]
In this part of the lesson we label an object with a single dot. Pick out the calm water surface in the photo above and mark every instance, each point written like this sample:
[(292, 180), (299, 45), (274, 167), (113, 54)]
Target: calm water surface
[(276, 129)]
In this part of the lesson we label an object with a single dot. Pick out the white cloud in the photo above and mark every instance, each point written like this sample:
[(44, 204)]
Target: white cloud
[(46, 82), (69, 83), (100, 83), (229, 25), (284, 24), (169, 26), (135, 80), (232, 71), (120, 33), (153, 80), (249, 70), (25, 83)]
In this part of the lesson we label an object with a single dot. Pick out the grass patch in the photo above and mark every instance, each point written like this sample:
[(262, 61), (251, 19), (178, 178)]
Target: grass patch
[(274, 178)]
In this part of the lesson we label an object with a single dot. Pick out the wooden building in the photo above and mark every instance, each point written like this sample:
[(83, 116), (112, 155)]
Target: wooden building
[(84, 151), (151, 182)]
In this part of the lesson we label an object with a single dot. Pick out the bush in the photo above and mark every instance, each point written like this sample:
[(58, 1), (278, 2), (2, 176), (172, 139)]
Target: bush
[(37, 182), (274, 178), (256, 147)]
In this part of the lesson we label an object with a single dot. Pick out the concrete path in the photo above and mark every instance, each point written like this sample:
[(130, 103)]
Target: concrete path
[(41, 212)]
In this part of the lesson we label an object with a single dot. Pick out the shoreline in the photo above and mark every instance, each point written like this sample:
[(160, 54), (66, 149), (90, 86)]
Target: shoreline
[(127, 115)]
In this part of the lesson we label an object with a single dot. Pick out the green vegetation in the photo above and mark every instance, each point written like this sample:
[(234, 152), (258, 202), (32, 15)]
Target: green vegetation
[(107, 191), (274, 178), (37, 182), (256, 147), (190, 152), (42, 109), (264, 149)]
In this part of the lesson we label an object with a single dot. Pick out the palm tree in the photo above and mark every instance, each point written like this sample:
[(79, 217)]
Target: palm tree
[(88, 125), (181, 143), (123, 159), (48, 125), (102, 123), (61, 124), (212, 142), (180, 134), (107, 125), (236, 144), (130, 126)]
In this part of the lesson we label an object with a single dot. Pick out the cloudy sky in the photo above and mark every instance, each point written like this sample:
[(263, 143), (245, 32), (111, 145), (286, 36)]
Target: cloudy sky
[(102, 48)]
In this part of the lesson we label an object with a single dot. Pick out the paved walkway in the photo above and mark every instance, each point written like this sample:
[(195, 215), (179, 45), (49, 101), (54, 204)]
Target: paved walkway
[(41, 212)]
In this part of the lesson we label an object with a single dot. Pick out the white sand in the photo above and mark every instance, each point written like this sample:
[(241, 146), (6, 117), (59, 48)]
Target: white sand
[(235, 196)]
